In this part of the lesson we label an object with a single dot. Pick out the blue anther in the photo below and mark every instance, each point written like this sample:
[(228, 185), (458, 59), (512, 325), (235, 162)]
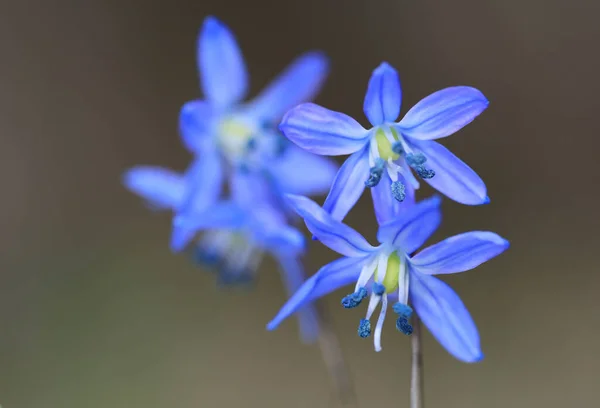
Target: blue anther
[(415, 159), (206, 257), (398, 191), (349, 302), (354, 299), (397, 148), (251, 144), (404, 326), (424, 172), (360, 294), (375, 173), (402, 310), (364, 328), (378, 288), (282, 145)]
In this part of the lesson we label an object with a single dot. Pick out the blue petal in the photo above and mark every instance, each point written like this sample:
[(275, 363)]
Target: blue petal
[(299, 83), (413, 227), (303, 173), (335, 235), (204, 182), (221, 64), (293, 277), (452, 176), (162, 188), (250, 189), (348, 185), (384, 95), (459, 253), (446, 317), (443, 113), (196, 123), (332, 276), (226, 215), (385, 205), (322, 131), (203, 186)]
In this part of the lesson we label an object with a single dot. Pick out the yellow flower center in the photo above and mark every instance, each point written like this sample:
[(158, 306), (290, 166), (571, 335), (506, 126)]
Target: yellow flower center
[(392, 273), (384, 146), (234, 136)]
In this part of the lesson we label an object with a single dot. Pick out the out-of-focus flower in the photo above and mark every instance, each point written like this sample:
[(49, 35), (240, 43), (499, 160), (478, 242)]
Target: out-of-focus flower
[(389, 272), (385, 156), (243, 134)]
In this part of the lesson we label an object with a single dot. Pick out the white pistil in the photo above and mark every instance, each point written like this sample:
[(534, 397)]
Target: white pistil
[(380, 320), (403, 281), (365, 274)]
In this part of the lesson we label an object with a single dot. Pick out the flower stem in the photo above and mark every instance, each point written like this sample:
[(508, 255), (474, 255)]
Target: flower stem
[(333, 358), (416, 374)]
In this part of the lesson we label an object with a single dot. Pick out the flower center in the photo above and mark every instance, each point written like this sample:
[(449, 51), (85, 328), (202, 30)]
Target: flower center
[(384, 145), (387, 272), (235, 136), (231, 254), (390, 153), (391, 274)]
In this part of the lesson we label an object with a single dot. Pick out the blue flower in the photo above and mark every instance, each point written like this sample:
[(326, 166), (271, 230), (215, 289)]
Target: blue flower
[(385, 156), (239, 232), (243, 134), (164, 189), (390, 272)]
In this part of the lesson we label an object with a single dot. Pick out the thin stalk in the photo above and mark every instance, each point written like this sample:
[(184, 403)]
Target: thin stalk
[(333, 358), (416, 373)]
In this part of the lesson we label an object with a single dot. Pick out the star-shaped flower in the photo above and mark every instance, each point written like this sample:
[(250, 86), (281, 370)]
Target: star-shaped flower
[(390, 272), (384, 156)]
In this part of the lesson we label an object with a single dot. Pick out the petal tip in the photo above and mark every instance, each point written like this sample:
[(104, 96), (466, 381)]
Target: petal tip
[(486, 200), (212, 25)]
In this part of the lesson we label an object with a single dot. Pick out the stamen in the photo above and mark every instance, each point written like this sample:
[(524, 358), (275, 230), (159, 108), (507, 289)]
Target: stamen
[(354, 299), (378, 288), (424, 172), (251, 144), (404, 326), (379, 326), (364, 328), (415, 159), (402, 310), (398, 148), (398, 190), (375, 173)]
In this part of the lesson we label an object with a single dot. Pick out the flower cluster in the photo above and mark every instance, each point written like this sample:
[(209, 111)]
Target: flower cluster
[(237, 144), (246, 147)]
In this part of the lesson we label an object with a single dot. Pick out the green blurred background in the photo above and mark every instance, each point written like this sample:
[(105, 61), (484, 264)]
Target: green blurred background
[(96, 312)]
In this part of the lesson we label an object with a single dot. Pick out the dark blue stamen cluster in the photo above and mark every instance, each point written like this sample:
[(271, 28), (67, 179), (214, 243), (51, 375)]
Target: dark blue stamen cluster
[(378, 288), (281, 146), (417, 161), (404, 326), (354, 299), (404, 312), (364, 328), (398, 190), (397, 148), (251, 144), (228, 277), (375, 173)]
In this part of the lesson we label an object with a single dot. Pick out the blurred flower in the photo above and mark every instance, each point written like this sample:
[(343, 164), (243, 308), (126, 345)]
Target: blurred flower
[(383, 156), (244, 134), (388, 271), (239, 232)]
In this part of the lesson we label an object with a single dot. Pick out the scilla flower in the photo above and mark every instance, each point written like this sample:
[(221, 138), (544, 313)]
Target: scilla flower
[(385, 156), (390, 273), (239, 232), (241, 133)]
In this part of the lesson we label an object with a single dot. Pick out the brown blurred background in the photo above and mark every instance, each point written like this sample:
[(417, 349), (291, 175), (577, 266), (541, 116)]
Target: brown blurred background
[(96, 312)]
